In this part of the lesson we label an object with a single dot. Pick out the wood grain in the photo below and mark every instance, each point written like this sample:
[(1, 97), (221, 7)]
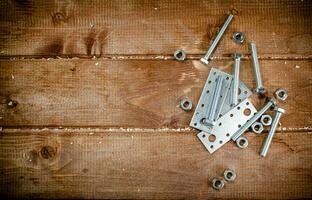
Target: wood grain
[(100, 28), (139, 165), (141, 94)]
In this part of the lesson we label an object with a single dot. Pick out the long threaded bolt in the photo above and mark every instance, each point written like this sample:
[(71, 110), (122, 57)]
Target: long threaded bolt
[(259, 87), (268, 105), (234, 93), (217, 39), (268, 140), (216, 95)]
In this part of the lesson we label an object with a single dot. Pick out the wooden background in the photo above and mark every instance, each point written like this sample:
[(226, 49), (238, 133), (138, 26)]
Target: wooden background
[(96, 94)]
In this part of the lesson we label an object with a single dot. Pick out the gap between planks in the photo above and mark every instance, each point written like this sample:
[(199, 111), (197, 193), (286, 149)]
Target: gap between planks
[(153, 57), (92, 130)]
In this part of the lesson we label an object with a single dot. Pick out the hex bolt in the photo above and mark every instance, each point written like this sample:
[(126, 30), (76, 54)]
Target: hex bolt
[(234, 92), (217, 39), (212, 111), (268, 105), (259, 87), (268, 140)]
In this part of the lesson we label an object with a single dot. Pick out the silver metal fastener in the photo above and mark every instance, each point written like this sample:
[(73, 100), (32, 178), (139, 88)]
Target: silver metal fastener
[(229, 175), (268, 105), (210, 120), (266, 120), (186, 104), (217, 183), (238, 37), (268, 140), (257, 127), (242, 142), (179, 55), (216, 40), (259, 87), (281, 94), (234, 92)]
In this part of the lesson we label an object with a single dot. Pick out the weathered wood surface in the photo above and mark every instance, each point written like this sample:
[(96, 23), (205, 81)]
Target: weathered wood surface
[(87, 28), (118, 131), (140, 165), (132, 93)]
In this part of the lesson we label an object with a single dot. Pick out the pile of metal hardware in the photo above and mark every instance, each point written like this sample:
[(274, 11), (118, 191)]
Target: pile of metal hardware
[(224, 111)]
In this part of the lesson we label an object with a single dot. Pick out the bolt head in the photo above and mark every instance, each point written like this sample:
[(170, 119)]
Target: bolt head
[(273, 101), (203, 60), (261, 91), (237, 55), (280, 110)]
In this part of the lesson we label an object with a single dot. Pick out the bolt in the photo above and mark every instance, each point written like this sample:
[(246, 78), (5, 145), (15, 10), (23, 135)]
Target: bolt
[(234, 93), (268, 105), (259, 87), (216, 40), (212, 111), (268, 140)]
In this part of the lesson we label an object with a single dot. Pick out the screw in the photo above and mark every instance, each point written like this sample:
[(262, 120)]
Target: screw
[(238, 133), (216, 40), (268, 140), (234, 93), (259, 87), (212, 111)]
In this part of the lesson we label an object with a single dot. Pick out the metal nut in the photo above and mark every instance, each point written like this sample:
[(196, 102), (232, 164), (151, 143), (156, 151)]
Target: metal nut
[(266, 120), (238, 37), (217, 183), (179, 55), (242, 142), (281, 94), (229, 175), (186, 104), (257, 127)]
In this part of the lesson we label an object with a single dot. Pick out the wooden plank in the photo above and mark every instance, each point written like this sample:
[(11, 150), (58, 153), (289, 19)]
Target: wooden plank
[(144, 94), (140, 165), (87, 28)]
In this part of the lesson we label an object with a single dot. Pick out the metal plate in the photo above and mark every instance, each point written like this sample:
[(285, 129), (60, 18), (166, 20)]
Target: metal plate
[(204, 103), (227, 125)]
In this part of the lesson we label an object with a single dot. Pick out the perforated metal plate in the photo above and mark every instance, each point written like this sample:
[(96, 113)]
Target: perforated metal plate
[(227, 125), (205, 100)]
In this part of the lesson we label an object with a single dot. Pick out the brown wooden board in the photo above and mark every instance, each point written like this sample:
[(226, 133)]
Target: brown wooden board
[(140, 165), (142, 94), (87, 28)]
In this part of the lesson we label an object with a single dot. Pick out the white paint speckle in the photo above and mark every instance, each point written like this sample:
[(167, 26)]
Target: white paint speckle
[(297, 67), (2, 52), (13, 77), (71, 143), (97, 64), (100, 142), (285, 62), (155, 8)]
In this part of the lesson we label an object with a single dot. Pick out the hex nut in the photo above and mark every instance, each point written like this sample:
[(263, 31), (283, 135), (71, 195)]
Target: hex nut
[(242, 142), (266, 120), (229, 175), (186, 104), (281, 94), (257, 127), (179, 55), (238, 37), (217, 183)]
